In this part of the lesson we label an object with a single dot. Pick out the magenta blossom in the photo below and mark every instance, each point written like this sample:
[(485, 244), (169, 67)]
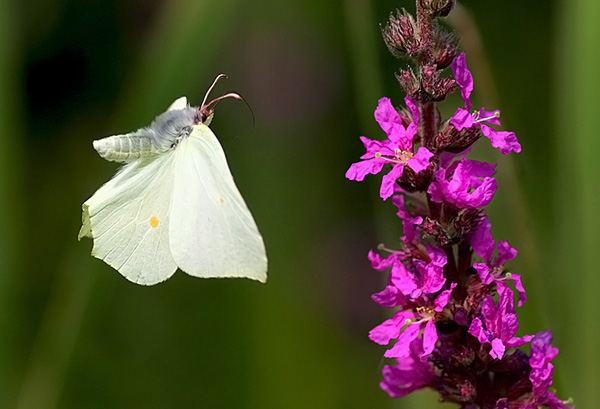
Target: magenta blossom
[(451, 329), (409, 374), (410, 223), (396, 150), (499, 323), (465, 184), (507, 142), (421, 278), (542, 353), (407, 325), (493, 269), (414, 290)]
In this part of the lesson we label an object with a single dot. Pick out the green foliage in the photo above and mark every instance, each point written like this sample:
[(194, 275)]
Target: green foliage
[(75, 334)]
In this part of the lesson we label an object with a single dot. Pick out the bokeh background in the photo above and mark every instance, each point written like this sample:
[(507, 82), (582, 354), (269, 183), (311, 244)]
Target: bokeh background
[(75, 334)]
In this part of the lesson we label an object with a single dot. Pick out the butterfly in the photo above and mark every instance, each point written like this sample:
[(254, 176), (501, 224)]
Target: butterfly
[(174, 203)]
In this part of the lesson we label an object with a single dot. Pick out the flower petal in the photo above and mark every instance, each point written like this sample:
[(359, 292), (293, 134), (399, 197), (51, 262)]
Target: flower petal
[(442, 300), (476, 329), (389, 181), (381, 263), (420, 160), (390, 329), (430, 337), (482, 241), (432, 276), (412, 129), (493, 115), (359, 170), (498, 349), (462, 119), (387, 116), (436, 189), (463, 78), (404, 280), (505, 253), (401, 348), (389, 297), (374, 146), (484, 273), (507, 142), (516, 278)]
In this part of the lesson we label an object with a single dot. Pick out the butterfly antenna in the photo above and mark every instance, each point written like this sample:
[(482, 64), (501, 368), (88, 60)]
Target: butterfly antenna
[(234, 95), (208, 108), (219, 77)]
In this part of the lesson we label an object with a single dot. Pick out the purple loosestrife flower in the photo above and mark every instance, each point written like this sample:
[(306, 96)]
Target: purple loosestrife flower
[(454, 319), (410, 223), (465, 184), (542, 353), (492, 270), (409, 374), (414, 289), (498, 324), (396, 150), (507, 142)]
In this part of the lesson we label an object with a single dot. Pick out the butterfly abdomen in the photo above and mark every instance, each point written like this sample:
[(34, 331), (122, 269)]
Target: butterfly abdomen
[(125, 148), (163, 134)]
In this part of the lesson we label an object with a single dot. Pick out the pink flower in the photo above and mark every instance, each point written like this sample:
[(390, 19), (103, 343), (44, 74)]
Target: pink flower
[(493, 269), (465, 184), (542, 353), (409, 374), (423, 277), (498, 324), (397, 150), (409, 222), (407, 325), (507, 142), (415, 291)]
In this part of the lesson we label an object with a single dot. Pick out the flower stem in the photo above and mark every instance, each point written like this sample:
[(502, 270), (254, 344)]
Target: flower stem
[(425, 58), (425, 25), (428, 124)]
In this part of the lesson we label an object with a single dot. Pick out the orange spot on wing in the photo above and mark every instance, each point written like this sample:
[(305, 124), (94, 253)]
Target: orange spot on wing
[(153, 221)]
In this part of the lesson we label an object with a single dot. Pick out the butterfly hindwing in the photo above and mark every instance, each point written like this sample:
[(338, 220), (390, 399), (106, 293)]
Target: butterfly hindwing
[(128, 219)]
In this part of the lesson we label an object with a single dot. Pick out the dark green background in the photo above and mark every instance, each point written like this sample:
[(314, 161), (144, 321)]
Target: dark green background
[(75, 334)]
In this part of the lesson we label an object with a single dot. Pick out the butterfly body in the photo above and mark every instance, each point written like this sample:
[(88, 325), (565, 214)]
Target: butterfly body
[(173, 205)]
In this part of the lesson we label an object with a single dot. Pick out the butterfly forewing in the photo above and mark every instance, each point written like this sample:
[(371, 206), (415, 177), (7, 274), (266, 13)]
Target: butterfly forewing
[(212, 232)]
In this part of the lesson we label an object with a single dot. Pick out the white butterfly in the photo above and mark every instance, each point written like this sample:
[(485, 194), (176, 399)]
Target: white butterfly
[(174, 204)]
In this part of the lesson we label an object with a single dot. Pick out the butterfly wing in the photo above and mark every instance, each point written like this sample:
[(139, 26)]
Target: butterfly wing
[(212, 232), (128, 219), (179, 103)]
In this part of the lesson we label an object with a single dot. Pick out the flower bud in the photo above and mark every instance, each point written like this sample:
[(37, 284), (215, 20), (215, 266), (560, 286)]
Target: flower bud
[(434, 229), (445, 49), (453, 141), (409, 83), (460, 223), (412, 181), (458, 387), (400, 34), (466, 222), (437, 88)]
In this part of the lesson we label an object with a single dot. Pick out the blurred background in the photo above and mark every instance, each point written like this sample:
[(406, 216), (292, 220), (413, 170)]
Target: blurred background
[(75, 334)]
